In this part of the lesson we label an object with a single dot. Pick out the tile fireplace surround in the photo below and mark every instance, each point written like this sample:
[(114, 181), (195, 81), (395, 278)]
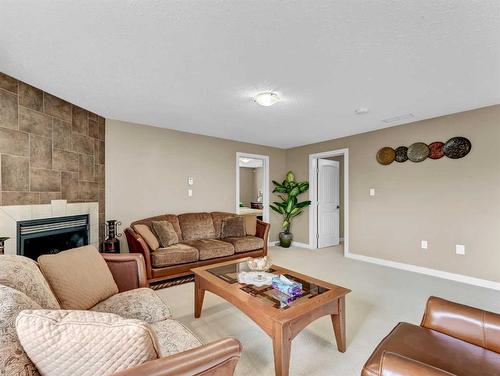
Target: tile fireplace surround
[(10, 215), (51, 151)]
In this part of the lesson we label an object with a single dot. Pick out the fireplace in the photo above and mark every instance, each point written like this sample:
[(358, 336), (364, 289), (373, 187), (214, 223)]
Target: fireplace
[(51, 235)]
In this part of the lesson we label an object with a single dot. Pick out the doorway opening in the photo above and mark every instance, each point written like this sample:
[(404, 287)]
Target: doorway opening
[(329, 195), (252, 185)]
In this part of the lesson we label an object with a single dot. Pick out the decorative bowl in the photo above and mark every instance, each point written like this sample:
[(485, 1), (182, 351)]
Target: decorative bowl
[(260, 264)]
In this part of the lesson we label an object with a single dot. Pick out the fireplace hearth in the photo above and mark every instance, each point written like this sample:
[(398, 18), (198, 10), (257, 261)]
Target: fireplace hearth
[(51, 235)]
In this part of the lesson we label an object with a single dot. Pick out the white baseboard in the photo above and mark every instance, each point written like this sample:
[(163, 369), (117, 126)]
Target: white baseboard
[(432, 272), (294, 244), (300, 245)]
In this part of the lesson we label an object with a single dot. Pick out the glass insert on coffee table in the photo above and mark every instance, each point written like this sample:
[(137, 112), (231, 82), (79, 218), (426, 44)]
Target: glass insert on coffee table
[(268, 294), (281, 316)]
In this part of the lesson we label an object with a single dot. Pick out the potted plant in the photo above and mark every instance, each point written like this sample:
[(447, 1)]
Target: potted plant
[(289, 207)]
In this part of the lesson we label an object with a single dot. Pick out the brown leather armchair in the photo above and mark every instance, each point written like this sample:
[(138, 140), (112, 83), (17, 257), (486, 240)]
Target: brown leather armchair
[(218, 358), (452, 339), (397, 365)]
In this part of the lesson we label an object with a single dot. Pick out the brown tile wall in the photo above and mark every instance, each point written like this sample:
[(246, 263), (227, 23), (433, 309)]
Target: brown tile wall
[(49, 149)]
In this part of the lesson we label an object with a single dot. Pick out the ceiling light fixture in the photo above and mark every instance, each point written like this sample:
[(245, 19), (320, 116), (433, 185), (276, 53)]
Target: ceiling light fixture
[(245, 160), (361, 111), (267, 98)]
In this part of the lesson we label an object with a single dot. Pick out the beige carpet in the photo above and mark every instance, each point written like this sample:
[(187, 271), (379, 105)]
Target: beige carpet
[(381, 298)]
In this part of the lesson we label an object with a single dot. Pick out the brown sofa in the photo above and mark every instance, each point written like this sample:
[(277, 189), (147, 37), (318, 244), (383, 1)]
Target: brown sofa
[(453, 339), (200, 243)]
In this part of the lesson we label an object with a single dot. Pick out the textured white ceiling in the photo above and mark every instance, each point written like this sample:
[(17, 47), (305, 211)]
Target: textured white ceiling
[(194, 65)]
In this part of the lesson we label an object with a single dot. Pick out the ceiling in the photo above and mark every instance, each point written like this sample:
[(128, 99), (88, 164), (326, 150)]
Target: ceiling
[(195, 65)]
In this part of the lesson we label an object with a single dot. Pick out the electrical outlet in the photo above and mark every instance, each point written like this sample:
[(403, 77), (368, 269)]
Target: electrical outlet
[(190, 193), (372, 191), (190, 180), (460, 249), (423, 244)]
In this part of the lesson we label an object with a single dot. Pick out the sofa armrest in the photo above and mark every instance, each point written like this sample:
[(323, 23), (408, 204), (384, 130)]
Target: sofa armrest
[(136, 244), (263, 232), (469, 324), (397, 365), (128, 269), (215, 359)]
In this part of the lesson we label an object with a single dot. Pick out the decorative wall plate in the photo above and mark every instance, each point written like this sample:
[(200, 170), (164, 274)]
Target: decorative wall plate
[(436, 150), (418, 152), (457, 147), (386, 155), (401, 154)]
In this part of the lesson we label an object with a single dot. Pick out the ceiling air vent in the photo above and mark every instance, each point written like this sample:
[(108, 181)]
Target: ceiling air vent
[(399, 118)]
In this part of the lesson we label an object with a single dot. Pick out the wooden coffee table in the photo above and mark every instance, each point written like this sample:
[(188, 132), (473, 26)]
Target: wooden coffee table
[(278, 315)]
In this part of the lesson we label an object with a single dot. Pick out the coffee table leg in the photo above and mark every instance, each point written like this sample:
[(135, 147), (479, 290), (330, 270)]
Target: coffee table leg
[(338, 321), (282, 345), (199, 294)]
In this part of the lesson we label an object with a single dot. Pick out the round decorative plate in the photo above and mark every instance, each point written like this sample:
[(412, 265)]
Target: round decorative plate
[(401, 154), (386, 155), (418, 152), (436, 150), (457, 147)]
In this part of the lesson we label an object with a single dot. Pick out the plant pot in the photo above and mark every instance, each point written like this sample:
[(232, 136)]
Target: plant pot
[(286, 239)]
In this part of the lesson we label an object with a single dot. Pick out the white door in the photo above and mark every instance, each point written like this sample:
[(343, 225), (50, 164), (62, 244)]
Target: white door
[(328, 203)]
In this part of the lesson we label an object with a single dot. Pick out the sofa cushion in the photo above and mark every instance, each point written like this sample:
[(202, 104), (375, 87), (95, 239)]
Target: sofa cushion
[(211, 248), (245, 243), (197, 226), (173, 337), (165, 217), (141, 304), (148, 236), (74, 343), (23, 274), (13, 359), (79, 277), (175, 254), (217, 218), (435, 349), (233, 227), (250, 224), (165, 233)]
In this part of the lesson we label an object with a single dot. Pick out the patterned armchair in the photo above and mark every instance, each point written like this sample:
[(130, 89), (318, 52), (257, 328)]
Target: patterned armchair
[(23, 287)]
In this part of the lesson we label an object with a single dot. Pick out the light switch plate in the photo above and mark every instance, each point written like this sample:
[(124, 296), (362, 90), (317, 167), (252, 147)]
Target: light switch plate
[(190, 193), (460, 249), (372, 191), (423, 244)]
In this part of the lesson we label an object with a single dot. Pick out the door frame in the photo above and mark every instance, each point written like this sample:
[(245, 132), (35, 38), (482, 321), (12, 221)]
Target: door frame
[(265, 192), (313, 196)]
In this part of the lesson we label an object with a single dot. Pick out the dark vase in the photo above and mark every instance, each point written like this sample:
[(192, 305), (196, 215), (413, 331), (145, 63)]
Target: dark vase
[(286, 239), (112, 243)]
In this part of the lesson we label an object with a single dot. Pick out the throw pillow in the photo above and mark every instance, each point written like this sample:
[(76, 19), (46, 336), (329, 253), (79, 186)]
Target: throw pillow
[(13, 359), (165, 232), (23, 274), (78, 343), (148, 236), (79, 277), (233, 227), (250, 224)]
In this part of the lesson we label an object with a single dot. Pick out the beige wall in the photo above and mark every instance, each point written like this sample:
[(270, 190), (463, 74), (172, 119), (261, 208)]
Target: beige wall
[(147, 170), (445, 201), (258, 182), (247, 183)]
